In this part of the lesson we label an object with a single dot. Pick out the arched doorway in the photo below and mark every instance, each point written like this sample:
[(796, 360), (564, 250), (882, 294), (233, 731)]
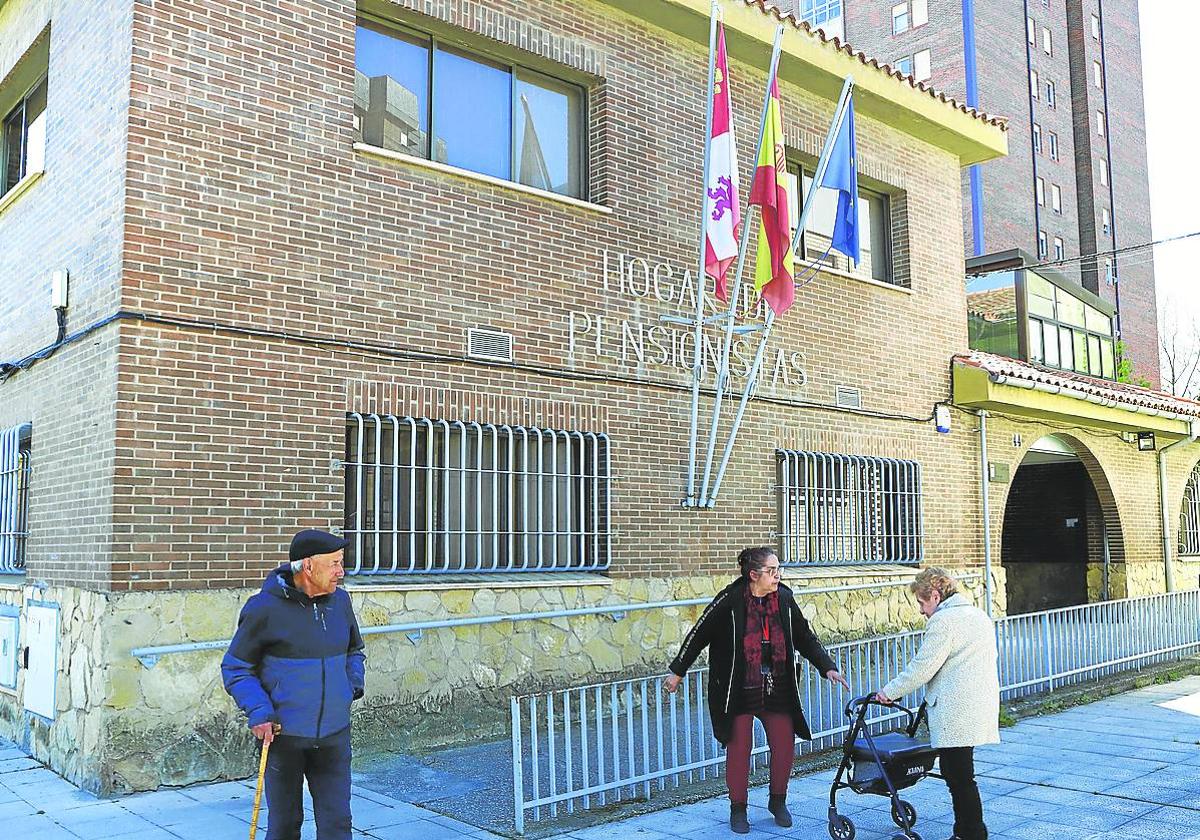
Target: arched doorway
[(1061, 541)]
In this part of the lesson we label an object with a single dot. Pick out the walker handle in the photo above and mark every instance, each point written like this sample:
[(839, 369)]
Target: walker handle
[(859, 706)]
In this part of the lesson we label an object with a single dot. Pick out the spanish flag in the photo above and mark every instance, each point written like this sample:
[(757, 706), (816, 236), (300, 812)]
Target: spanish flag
[(773, 264)]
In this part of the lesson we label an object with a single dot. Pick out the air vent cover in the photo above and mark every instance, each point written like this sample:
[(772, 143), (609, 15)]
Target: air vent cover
[(490, 345), (847, 397)]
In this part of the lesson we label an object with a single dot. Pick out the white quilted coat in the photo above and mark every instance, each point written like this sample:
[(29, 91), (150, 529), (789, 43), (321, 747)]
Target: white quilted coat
[(957, 660)]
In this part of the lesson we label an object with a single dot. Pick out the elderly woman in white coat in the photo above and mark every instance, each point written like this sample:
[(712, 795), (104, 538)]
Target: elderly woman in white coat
[(957, 661)]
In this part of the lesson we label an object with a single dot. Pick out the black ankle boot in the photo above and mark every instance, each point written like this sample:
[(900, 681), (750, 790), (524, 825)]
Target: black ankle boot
[(777, 805), (737, 819)]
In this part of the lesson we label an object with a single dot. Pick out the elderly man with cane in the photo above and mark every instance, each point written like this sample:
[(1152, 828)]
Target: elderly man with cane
[(294, 666)]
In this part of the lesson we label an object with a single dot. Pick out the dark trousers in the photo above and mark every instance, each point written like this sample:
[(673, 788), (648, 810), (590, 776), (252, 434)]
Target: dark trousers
[(958, 769), (325, 762), (781, 738)]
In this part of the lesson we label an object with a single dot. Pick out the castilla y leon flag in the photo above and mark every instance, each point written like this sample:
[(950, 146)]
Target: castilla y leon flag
[(773, 264), (721, 191)]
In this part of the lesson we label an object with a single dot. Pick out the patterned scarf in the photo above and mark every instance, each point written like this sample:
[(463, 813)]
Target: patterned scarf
[(760, 612)]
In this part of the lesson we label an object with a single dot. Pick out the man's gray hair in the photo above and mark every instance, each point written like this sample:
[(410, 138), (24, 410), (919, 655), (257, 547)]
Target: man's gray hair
[(297, 565)]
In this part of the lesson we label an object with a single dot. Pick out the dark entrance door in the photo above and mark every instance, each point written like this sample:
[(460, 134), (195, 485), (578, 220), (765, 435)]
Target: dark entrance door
[(1045, 546)]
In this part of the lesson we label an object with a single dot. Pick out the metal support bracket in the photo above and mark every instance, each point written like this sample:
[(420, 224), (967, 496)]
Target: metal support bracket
[(617, 616), (148, 660), (414, 636)]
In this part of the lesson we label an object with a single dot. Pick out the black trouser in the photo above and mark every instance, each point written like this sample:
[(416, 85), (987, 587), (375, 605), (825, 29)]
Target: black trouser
[(325, 762), (958, 769)]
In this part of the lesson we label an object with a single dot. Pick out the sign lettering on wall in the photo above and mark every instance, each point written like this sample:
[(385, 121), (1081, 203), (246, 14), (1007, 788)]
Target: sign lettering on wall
[(642, 343)]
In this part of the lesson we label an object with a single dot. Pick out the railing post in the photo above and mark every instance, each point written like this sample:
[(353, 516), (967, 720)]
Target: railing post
[(518, 769), (1048, 651)]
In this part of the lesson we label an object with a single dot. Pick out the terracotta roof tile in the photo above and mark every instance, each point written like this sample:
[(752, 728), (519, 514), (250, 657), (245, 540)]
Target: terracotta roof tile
[(1121, 393), (769, 8)]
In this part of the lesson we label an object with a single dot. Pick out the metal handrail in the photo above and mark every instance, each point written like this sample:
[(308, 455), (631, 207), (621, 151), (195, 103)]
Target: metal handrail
[(149, 656)]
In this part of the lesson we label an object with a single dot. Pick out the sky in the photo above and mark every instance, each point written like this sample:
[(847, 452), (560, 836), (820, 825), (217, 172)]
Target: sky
[(1169, 31)]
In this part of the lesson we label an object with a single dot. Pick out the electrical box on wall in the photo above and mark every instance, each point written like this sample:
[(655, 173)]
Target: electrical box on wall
[(40, 658), (997, 472), (8, 647), (59, 282)]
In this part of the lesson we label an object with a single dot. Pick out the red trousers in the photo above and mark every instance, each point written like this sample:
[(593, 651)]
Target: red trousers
[(781, 738)]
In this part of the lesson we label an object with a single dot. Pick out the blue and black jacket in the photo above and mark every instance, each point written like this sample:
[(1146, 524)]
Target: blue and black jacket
[(295, 660)]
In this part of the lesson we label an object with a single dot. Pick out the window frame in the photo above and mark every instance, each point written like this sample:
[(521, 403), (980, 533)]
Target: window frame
[(1035, 85), (1055, 325), (798, 168), (1106, 221), (1101, 123), (1037, 138), (1103, 168), (1051, 94), (15, 442), (1056, 198), (1039, 190), (900, 14), (914, 5), (1031, 30), (434, 460), (928, 68), (1047, 41), (842, 506), (1098, 74), (473, 52), (1052, 145), (21, 104), (1095, 27), (1060, 250), (1042, 245)]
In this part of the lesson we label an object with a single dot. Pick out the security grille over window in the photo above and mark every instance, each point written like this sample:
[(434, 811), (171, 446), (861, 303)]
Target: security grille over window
[(846, 509), (439, 496), (1189, 516), (14, 496)]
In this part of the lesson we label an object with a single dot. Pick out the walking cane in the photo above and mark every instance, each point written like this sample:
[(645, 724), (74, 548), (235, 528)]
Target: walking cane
[(262, 772)]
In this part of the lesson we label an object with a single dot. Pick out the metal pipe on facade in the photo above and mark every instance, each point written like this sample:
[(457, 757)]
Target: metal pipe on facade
[(987, 510), (149, 655), (1168, 569)]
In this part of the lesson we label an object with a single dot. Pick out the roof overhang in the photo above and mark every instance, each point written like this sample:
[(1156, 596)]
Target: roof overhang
[(977, 388), (820, 67)]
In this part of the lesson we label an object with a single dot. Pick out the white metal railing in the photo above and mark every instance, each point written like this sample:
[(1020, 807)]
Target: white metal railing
[(848, 509), (428, 495), (580, 748), (14, 497)]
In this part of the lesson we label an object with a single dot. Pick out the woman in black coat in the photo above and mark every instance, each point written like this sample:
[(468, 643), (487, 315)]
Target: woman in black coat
[(755, 632)]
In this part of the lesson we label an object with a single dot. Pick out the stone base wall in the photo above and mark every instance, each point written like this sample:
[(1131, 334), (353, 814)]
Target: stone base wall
[(122, 726)]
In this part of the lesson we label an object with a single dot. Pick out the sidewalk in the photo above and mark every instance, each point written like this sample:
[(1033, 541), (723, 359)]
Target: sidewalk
[(1124, 768)]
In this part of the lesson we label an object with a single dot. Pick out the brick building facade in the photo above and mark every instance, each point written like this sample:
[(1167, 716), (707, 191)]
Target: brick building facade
[(250, 280), (1083, 101)]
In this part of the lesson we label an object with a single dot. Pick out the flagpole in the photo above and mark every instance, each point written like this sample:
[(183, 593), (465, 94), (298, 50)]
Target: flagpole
[(735, 296), (701, 283), (752, 381)]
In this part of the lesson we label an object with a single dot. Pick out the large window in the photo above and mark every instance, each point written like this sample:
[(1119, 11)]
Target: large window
[(1065, 331), (819, 12), (437, 496), (899, 18), (14, 496), (874, 228), (23, 141), (417, 95), (848, 509)]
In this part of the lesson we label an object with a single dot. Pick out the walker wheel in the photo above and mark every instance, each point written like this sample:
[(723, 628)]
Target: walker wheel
[(840, 828), (907, 835), (905, 816)]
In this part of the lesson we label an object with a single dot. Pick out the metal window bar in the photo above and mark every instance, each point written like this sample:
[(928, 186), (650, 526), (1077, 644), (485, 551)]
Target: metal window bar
[(849, 509), (1189, 516), (656, 741), (448, 496), (14, 497)]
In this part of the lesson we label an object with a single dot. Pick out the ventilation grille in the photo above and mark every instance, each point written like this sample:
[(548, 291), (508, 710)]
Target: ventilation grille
[(847, 397), (489, 345)]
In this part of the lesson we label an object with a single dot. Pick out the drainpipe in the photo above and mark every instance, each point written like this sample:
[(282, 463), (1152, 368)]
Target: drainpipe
[(987, 519), (1168, 570)]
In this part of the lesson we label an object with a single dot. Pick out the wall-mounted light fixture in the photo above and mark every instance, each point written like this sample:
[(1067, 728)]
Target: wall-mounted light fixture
[(1145, 441)]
